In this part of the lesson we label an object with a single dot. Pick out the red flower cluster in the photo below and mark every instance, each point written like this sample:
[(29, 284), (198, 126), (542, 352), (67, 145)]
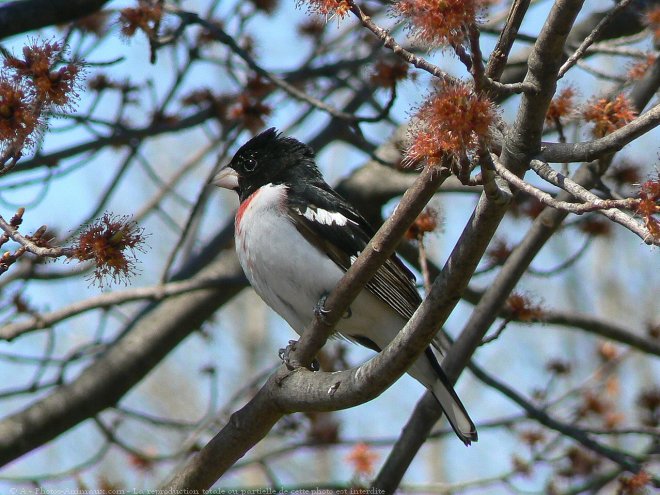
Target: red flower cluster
[(362, 457), (339, 8), (29, 87), (452, 121), (249, 107), (609, 115), (649, 205), (145, 17), (110, 243), (653, 21), (439, 22), (523, 308), (50, 84), (562, 105), (639, 69), (17, 117), (427, 221), (388, 72)]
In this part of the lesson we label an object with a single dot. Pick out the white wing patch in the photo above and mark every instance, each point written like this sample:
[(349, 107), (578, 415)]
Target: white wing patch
[(325, 217)]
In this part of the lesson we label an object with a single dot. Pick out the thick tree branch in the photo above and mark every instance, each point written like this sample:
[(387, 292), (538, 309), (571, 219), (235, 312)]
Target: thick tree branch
[(591, 150), (498, 58), (27, 15)]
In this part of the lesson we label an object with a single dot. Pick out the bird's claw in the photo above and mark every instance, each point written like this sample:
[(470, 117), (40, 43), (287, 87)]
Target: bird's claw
[(319, 309), (321, 312), (285, 354)]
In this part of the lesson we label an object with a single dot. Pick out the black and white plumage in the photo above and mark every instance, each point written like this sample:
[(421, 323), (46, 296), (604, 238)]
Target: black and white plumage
[(295, 238)]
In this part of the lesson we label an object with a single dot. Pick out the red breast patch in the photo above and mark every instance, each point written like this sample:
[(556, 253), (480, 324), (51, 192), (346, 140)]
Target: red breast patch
[(244, 206)]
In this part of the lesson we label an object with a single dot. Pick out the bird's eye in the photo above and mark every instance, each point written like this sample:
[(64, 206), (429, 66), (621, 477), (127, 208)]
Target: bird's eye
[(250, 164)]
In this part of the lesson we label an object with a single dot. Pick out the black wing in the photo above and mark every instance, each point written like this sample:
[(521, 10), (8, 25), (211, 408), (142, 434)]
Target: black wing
[(332, 225)]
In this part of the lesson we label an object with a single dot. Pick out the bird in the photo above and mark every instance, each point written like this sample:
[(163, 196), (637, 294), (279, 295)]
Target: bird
[(295, 237)]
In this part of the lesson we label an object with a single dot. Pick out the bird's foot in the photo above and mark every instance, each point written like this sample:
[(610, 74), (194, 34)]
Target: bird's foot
[(285, 353), (319, 309), (285, 356), (321, 312)]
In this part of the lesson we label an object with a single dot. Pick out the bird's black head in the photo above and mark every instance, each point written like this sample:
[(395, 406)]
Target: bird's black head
[(267, 158)]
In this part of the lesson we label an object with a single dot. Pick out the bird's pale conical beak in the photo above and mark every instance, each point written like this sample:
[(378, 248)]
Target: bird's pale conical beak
[(227, 178)]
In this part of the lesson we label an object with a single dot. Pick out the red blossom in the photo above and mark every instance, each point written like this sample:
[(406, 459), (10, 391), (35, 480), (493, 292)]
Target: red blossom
[(649, 205), (388, 72), (596, 226), (639, 69), (267, 6), (607, 351), (141, 462), (40, 69), (339, 8), (362, 457), (439, 22), (95, 23), (625, 172), (580, 462), (499, 251), (312, 27), (653, 21), (609, 115), (523, 308), (18, 118), (144, 17), (533, 437), (427, 221), (562, 105), (635, 484), (452, 121), (649, 404), (111, 243), (250, 111)]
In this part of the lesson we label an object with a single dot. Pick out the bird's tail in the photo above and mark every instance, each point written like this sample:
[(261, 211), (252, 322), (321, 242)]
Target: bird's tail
[(453, 408), (428, 371)]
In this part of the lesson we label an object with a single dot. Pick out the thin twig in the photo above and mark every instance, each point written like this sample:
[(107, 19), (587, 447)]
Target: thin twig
[(578, 208), (218, 33), (106, 300), (423, 64), (609, 208), (31, 246), (593, 36)]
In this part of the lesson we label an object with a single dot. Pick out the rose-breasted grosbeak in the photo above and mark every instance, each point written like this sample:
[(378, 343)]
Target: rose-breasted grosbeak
[(295, 238)]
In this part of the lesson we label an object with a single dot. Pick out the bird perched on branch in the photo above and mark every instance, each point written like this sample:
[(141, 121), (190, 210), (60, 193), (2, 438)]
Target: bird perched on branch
[(295, 238)]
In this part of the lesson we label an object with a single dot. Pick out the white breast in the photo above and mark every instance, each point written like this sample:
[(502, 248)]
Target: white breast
[(289, 274)]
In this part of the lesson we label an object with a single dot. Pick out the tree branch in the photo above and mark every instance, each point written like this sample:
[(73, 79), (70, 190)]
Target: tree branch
[(626, 461), (592, 37), (591, 150), (27, 15), (106, 300)]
